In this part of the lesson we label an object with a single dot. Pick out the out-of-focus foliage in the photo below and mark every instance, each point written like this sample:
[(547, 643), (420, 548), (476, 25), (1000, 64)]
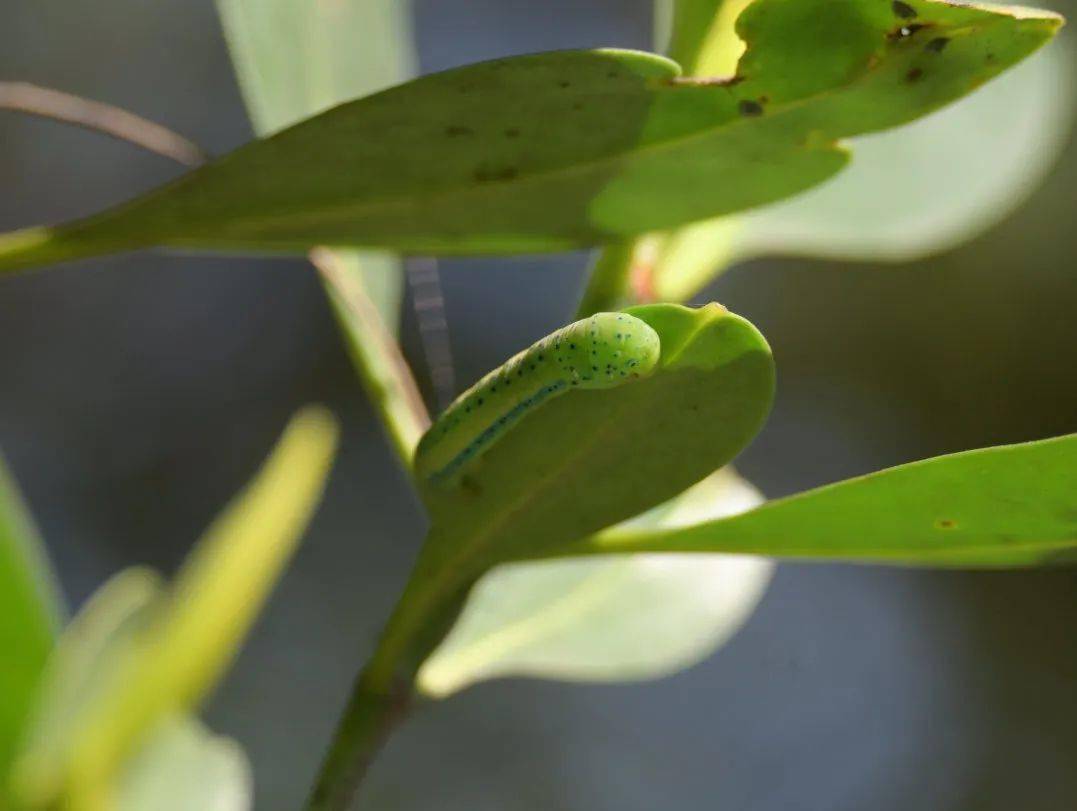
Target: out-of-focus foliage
[(139, 658), (30, 611), (296, 58)]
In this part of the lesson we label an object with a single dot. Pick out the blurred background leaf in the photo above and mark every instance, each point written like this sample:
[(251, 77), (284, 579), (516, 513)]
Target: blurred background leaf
[(182, 766), (30, 614), (621, 619), (295, 58), (138, 655)]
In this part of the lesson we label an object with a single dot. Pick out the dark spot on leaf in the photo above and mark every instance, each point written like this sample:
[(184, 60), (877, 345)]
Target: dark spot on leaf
[(937, 45), (577, 105), (990, 58), (914, 75), (748, 107), (612, 74), (903, 10), (470, 485), (487, 175), (563, 84), (455, 131), (512, 132), (946, 523)]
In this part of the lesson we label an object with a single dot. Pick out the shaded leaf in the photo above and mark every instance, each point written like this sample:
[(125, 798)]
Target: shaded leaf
[(520, 154), (632, 617), (1013, 505), (30, 611)]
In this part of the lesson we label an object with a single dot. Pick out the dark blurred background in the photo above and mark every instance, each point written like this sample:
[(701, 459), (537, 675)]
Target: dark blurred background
[(137, 393)]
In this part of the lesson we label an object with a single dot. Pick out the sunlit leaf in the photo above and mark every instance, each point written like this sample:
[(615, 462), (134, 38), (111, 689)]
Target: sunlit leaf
[(559, 150), (30, 610), (1013, 505), (631, 617), (908, 193)]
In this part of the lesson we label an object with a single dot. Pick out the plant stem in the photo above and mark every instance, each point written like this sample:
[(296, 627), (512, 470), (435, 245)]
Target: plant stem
[(384, 372), (425, 613), (608, 284), (372, 712)]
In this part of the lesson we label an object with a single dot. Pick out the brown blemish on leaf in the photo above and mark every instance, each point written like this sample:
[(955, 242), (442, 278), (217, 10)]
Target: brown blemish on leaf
[(937, 45), (914, 75), (946, 523), (512, 132), (455, 131)]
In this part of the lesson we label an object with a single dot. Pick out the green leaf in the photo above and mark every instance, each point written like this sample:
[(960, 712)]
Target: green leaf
[(589, 458), (182, 767), (295, 58), (30, 611), (1013, 505), (559, 150), (83, 667), (179, 765), (975, 162), (632, 617), (141, 656)]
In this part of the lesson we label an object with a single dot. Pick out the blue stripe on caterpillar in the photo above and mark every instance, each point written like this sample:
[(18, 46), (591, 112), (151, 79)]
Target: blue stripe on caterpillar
[(603, 351)]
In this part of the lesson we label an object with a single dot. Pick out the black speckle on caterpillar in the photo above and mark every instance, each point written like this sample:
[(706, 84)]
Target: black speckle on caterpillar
[(600, 352)]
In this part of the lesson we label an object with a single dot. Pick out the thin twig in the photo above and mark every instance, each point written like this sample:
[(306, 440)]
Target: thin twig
[(429, 302), (382, 368), (31, 99)]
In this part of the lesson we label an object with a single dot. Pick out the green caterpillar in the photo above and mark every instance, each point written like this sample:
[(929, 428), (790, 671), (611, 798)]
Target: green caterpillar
[(599, 352)]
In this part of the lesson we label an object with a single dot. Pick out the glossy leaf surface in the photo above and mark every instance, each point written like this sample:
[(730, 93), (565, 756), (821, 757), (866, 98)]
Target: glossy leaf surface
[(558, 150), (1013, 505)]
